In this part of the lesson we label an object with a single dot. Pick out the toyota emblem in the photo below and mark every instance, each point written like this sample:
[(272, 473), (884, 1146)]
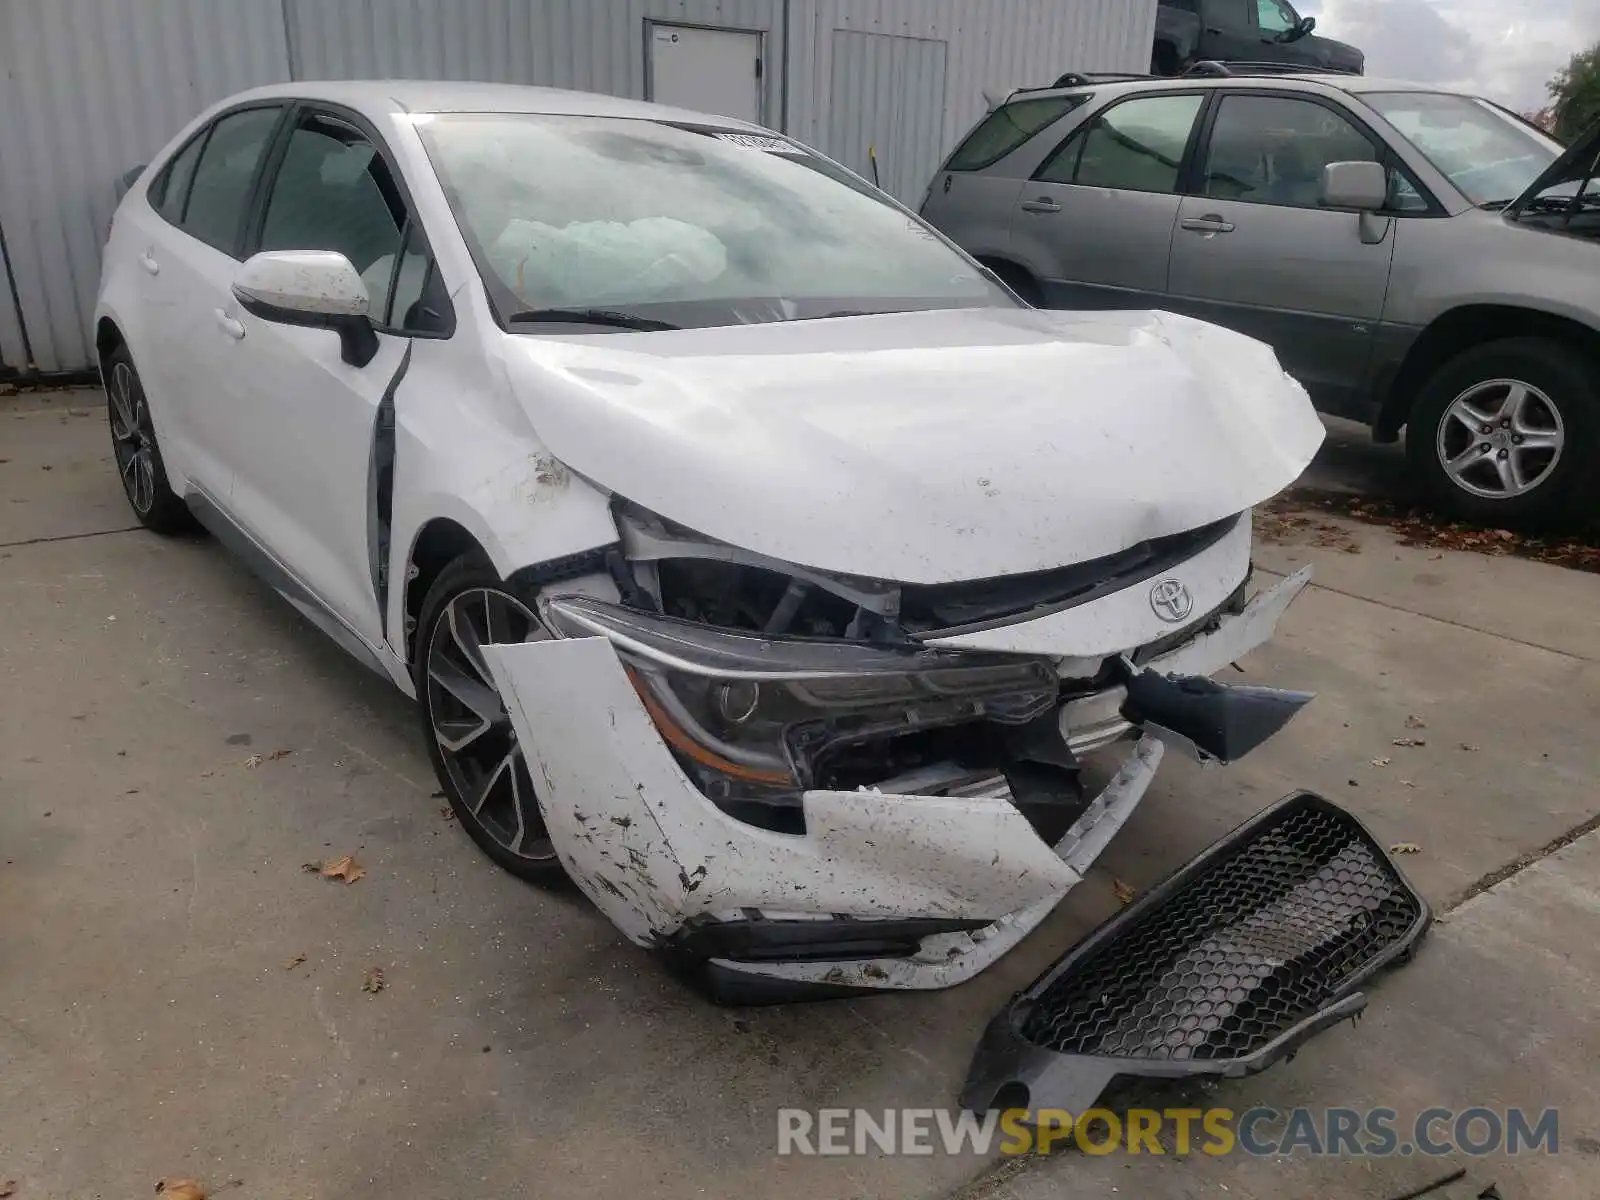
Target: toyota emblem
[(1171, 601)]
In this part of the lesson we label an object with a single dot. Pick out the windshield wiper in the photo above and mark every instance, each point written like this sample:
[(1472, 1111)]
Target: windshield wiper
[(1494, 205), (591, 316)]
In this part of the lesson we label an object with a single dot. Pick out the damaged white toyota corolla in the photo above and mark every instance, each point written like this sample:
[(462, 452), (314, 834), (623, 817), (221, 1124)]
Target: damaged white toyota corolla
[(757, 560)]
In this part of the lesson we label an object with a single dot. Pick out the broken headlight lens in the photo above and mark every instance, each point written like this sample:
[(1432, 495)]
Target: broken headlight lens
[(749, 716)]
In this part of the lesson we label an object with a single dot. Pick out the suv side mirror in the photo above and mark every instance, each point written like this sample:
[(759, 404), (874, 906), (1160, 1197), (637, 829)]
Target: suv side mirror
[(1299, 30), (1363, 186), (316, 289)]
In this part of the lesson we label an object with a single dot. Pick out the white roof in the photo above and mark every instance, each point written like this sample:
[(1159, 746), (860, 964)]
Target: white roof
[(378, 97)]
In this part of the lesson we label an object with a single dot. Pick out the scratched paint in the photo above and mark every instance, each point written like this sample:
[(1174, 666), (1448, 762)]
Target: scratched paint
[(653, 852)]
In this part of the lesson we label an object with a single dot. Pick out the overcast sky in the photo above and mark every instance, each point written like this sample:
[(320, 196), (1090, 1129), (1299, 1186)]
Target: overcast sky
[(1507, 51)]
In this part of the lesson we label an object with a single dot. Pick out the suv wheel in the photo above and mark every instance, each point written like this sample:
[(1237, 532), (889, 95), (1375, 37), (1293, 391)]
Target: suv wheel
[(1504, 433)]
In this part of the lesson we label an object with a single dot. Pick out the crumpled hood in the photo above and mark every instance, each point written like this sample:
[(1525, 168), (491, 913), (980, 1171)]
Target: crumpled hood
[(925, 447)]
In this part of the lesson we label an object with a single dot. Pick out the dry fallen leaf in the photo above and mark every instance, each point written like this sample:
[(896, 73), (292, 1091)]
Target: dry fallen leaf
[(295, 961), (374, 982), (1468, 746), (1409, 742), (1415, 722), (345, 868), (1124, 892), (1408, 783), (253, 761), (7, 1186), (180, 1189), (448, 813), (312, 868), (1405, 848), (277, 754), (1380, 762)]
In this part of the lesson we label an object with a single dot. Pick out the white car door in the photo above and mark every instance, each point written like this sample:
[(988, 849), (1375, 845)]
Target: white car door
[(187, 263), (309, 462)]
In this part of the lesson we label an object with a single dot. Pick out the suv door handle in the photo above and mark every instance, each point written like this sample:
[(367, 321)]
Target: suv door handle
[(1208, 224), (231, 326), (149, 263), (1041, 205)]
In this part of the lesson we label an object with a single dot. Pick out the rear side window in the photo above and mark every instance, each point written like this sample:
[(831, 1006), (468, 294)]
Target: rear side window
[(1006, 128), (1136, 146), (170, 192), (223, 177)]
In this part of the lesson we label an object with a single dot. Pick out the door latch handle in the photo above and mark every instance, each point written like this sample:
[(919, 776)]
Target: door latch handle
[(1041, 205), (231, 326), (1206, 224), (149, 263)]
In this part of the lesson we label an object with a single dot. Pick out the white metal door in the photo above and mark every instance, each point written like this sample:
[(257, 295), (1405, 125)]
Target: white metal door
[(710, 70), (888, 104)]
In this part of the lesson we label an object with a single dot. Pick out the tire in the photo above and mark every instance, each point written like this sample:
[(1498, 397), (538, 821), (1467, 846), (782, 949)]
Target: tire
[(1526, 391), (471, 743), (136, 452)]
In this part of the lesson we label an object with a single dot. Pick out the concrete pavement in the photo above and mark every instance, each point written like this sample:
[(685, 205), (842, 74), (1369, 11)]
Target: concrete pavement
[(152, 897)]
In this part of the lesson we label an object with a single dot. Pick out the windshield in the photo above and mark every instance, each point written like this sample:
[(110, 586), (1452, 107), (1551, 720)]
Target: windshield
[(682, 226), (1488, 154)]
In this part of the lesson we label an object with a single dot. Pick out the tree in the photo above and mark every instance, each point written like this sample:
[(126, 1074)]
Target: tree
[(1576, 93)]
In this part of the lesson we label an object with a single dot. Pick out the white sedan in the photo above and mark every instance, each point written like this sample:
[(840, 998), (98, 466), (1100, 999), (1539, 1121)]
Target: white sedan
[(755, 557)]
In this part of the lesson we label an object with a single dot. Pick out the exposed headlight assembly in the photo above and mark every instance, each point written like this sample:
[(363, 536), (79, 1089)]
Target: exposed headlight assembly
[(750, 717)]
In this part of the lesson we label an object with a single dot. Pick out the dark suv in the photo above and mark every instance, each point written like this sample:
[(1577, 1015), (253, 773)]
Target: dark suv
[(1266, 31)]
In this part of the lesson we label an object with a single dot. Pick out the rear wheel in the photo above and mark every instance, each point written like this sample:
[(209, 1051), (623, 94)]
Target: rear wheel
[(1506, 433), (137, 454), (481, 766)]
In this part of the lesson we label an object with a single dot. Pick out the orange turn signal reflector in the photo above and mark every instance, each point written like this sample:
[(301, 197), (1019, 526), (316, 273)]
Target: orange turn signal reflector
[(680, 740)]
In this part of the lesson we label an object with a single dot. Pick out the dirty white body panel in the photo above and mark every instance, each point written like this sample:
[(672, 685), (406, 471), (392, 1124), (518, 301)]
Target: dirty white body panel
[(653, 852)]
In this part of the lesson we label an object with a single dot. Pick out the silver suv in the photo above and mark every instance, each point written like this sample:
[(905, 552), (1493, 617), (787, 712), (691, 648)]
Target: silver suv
[(1419, 259)]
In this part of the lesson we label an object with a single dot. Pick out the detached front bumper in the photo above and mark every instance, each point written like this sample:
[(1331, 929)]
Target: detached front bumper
[(943, 885)]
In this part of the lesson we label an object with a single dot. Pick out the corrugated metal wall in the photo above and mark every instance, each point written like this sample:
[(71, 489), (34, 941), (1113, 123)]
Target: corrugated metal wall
[(89, 88), (593, 45), (887, 96), (991, 43)]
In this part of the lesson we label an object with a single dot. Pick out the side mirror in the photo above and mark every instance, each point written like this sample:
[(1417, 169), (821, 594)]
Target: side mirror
[(316, 289), (1308, 25), (1363, 186)]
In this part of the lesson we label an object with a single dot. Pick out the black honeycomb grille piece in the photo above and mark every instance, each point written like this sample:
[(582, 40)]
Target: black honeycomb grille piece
[(1255, 942)]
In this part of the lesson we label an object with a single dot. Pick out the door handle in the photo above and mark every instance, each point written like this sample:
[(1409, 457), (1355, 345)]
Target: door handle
[(1208, 224), (231, 326), (149, 263), (1041, 205)]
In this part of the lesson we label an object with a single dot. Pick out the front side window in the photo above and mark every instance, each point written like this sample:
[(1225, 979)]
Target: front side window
[(1273, 149), (1137, 145), (684, 225), (1275, 17), (1489, 155), (335, 192), (1008, 127), (227, 167)]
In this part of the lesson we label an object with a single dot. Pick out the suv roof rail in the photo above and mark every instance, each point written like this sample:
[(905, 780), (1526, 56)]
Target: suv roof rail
[(1084, 78), (1209, 67)]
